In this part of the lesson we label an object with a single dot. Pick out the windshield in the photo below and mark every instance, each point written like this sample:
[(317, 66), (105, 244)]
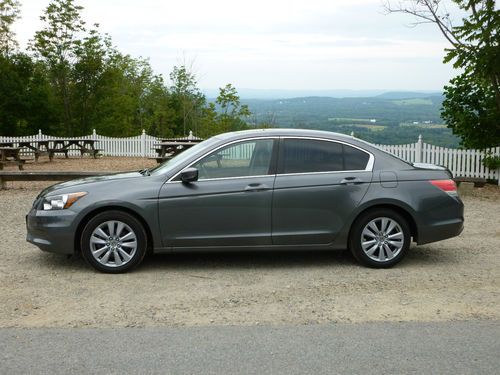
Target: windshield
[(182, 157)]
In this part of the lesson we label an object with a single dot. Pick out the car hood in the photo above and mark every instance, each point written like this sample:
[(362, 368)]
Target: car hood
[(89, 180)]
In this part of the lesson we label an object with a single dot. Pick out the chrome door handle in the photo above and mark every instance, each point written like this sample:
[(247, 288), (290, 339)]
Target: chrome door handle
[(256, 187), (351, 180)]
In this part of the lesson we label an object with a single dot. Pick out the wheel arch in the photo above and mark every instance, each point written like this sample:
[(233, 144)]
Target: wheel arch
[(83, 222), (394, 207)]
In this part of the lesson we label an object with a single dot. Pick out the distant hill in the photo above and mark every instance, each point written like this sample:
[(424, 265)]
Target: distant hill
[(388, 118), (288, 94), (407, 95)]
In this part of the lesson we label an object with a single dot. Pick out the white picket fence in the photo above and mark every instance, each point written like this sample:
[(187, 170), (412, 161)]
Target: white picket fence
[(138, 146), (462, 163)]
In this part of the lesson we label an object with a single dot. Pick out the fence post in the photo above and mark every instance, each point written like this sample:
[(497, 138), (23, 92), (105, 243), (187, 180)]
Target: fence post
[(143, 143), (39, 133), (419, 150), (94, 135)]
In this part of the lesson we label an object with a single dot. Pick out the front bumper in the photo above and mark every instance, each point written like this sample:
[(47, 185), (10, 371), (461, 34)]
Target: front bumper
[(52, 231)]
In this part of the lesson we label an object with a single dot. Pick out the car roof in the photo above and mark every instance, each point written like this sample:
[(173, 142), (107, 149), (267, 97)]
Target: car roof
[(285, 132)]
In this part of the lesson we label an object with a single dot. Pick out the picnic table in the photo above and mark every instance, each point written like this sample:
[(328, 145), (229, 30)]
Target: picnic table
[(62, 146), (51, 147), (38, 147), (10, 155), (167, 149)]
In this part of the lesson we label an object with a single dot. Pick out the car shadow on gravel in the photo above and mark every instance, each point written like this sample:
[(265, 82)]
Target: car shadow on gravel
[(249, 260)]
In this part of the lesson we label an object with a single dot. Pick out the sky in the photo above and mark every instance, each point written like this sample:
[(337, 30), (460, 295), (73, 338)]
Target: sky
[(270, 44)]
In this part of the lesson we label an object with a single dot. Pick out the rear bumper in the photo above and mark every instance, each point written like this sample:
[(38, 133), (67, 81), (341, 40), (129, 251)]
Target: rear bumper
[(51, 231), (440, 231)]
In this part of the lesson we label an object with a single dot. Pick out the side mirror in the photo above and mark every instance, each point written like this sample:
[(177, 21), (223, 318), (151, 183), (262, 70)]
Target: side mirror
[(189, 175)]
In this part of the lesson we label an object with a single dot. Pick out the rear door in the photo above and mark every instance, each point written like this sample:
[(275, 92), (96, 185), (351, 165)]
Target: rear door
[(318, 184)]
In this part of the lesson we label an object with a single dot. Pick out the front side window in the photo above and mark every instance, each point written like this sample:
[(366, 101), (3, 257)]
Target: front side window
[(311, 155), (250, 158)]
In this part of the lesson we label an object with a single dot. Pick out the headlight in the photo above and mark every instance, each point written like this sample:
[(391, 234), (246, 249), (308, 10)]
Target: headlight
[(60, 202)]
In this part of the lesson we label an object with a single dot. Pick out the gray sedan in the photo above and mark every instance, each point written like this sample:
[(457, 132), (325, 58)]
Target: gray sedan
[(275, 189)]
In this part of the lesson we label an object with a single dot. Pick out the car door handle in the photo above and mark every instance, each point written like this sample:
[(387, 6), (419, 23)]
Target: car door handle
[(256, 187), (351, 180)]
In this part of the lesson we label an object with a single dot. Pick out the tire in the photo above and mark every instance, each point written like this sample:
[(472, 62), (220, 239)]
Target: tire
[(377, 248), (113, 242)]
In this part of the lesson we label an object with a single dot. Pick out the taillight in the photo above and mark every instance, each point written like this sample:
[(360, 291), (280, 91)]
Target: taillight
[(448, 186)]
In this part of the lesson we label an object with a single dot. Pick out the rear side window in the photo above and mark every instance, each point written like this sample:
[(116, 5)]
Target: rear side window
[(354, 159), (308, 156)]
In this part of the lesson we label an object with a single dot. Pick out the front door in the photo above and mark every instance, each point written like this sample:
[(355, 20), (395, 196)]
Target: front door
[(229, 205)]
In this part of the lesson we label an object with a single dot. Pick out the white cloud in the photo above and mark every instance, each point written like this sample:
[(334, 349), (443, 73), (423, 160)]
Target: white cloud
[(270, 43)]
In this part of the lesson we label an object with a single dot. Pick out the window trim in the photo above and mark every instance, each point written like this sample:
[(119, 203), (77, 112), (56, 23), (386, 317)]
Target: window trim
[(272, 167), (368, 168)]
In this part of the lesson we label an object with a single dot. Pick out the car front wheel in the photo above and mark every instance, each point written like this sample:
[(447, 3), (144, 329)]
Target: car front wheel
[(380, 238), (113, 242)]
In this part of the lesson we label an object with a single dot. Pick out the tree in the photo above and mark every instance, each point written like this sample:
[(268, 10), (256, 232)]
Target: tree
[(232, 111), (186, 99), (472, 99), (9, 13), (86, 76), (229, 116), (26, 101), (57, 44)]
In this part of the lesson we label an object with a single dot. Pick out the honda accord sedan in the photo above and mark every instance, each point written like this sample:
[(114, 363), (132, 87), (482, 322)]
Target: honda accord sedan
[(273, 189)]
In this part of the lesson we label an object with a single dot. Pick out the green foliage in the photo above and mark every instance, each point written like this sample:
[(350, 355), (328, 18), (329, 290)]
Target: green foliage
[(472, 104), (26, 100), (469, 109), (186, 100), (9, 13), (225, 115), (57, 44), (492, 161)]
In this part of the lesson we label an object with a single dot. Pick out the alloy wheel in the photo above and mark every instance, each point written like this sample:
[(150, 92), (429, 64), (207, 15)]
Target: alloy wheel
[(113, 243), (382, 239)]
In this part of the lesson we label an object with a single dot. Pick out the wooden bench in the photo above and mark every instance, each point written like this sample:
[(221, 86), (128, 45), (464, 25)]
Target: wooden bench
[(11, 155), (94, 152), (45, 176), (478, 182), (20, 163), (53, 151)]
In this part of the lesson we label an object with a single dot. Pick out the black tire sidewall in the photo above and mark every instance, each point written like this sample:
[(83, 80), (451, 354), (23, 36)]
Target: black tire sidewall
[(128, 219), (357, 228)]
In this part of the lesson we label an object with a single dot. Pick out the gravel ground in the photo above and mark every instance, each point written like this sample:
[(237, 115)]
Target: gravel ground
[(457, 279)]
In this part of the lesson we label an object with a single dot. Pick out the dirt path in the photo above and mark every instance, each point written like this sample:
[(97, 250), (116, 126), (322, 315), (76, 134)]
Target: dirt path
[(456, 279)]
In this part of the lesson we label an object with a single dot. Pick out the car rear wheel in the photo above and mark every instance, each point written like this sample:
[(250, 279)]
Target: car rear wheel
[(113, 242), (380, 238)]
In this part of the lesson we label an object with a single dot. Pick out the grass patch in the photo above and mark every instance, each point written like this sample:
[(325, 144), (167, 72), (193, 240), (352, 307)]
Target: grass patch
[(375, 128), (423, 126), (415, 101)]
